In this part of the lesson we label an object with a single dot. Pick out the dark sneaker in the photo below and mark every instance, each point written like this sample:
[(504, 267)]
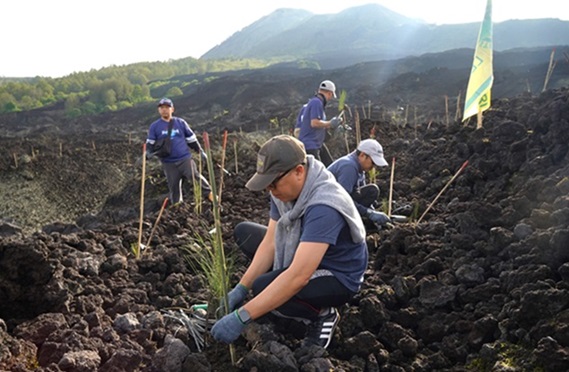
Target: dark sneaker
[(320, 331)]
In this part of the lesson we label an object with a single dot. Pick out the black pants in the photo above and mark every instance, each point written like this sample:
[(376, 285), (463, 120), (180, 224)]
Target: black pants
[(175, 172), (322, 154), (320, 292), (366, 195)]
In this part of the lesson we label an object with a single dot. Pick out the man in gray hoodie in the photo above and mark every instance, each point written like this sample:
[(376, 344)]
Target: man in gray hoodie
[(311, 256)]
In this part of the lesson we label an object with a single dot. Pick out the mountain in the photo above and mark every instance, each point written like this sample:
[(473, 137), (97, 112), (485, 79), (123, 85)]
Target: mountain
[(370, 33)]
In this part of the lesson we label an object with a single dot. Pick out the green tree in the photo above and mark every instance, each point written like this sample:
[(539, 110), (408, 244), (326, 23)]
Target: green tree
[(72, 103), (174, 91)]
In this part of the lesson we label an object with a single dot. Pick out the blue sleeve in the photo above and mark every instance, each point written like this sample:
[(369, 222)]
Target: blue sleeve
[(190, 136), (188, 133), (316, 109), (152, 136), (274, 213), (322, 224)]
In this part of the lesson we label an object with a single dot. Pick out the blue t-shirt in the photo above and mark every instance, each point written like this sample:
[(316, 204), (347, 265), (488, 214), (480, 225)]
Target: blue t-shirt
[(350, 175), (313, 138), (180, 138), (300, 116), (344, 258)]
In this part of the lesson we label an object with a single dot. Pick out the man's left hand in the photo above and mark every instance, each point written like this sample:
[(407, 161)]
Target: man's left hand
[(228, 328), (379, 218)]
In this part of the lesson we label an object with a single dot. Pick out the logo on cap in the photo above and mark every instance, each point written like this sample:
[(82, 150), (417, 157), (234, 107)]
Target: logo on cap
[(165, 102)]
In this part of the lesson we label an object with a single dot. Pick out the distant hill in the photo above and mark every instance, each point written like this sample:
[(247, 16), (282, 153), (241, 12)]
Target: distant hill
[(371, 33)]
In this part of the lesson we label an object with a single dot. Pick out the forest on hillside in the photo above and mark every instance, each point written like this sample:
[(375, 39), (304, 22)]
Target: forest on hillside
[(112, 88)]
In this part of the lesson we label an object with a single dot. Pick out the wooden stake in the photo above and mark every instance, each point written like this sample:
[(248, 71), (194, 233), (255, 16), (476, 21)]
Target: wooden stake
[(141, 201), (391, 186), (457, 114), (446, 111), (235, 153), (223, 147), (358, 133), (441, 192), (552, 64), (156, 223)]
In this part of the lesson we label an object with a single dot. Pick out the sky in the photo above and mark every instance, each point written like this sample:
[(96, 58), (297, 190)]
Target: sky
[(54, 38)]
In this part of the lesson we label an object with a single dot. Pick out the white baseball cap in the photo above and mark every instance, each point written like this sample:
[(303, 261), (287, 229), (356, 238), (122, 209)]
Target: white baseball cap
[(372, 148), (328, 85)]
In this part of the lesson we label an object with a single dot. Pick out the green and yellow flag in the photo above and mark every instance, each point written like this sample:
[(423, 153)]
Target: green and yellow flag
[(482, 76)]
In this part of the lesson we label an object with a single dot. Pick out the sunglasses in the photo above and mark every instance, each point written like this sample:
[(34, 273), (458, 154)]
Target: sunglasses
[(273, 185)]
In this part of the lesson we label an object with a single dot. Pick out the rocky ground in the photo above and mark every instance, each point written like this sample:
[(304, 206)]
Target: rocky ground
[(481, 283)]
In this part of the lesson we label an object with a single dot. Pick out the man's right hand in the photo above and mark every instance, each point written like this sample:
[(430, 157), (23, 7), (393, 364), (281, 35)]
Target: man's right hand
[(235, 299), (335, 122), (149, 154)]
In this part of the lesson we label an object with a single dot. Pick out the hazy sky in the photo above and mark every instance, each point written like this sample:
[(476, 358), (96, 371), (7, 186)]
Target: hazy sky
[(57, 37)]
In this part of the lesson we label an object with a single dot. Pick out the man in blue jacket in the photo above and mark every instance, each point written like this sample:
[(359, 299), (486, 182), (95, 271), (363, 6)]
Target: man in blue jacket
[(349, 171), (178, 163), (313, 123)]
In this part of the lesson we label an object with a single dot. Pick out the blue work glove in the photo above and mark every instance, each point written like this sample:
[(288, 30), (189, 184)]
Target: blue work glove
[(335, 122), (228, 328), (379, 218), (235, 298)]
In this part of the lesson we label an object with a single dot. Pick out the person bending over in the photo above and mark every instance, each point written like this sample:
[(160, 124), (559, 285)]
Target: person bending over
[(309, 259)]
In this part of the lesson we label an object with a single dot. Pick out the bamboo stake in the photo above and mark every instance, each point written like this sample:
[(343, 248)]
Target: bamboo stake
[(15, 160), (552, 64), (391, 186), (156, 223), (358, 133), (197, 190), (440, 193), (479, 119), (446, 110), (141, 201), (223, 147), (457, 114), (415, 115), (235, 153)]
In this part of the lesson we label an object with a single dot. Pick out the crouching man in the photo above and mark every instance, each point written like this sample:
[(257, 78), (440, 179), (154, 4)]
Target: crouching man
[(309, 259)]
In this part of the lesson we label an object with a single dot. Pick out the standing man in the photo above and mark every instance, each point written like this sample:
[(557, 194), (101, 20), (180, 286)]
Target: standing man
[(177, 163), (313, 123), (349, 171), (311, 256)]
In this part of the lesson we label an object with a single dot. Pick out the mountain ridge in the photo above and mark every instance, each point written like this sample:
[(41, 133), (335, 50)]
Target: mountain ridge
[(373, 32)]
